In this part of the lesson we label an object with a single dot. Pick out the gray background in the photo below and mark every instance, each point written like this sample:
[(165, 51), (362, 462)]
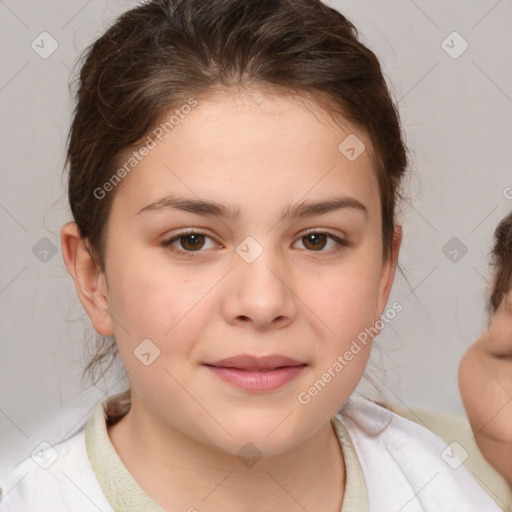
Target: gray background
[(456, 114)]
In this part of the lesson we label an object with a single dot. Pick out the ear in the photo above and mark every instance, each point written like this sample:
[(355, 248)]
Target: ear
[(388, 271), (90, 281)]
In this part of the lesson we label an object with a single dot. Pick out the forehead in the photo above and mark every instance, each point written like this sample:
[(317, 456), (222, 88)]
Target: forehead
[(253, 149)]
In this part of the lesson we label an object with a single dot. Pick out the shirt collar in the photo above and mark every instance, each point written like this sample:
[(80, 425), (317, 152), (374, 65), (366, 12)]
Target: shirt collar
[(125, 495)]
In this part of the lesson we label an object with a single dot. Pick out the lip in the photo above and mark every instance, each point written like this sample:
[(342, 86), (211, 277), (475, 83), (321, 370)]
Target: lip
[(257, 373), (254, 363)]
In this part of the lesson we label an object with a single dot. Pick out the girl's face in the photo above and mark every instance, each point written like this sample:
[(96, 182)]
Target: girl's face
[(244, 173), (485, 382)]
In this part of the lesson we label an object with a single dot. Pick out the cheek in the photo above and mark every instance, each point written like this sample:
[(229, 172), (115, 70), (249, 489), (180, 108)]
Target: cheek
[(347, 299), (148, 302), (157, 321), (346, 306), (500, 332)]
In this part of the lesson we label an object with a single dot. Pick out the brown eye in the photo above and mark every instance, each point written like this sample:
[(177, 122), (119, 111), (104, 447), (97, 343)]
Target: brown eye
[(192, 242), (188, 242), (315, 241)]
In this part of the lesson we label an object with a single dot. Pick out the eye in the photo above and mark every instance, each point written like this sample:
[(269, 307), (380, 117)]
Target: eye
[(193, 241), (190, 241), (316, 241)]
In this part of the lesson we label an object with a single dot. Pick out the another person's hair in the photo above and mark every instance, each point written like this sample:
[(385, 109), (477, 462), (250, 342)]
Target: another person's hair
[(161, 53), (501, 263)]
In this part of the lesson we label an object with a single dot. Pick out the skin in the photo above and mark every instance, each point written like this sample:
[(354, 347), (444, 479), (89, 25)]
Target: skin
[(485, 382), (259, 152)]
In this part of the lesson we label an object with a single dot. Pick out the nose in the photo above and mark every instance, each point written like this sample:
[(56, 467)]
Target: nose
[(260, 293)]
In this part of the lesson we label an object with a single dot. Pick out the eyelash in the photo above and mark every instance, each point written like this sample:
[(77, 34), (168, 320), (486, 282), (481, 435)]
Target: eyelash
[(341, 244)]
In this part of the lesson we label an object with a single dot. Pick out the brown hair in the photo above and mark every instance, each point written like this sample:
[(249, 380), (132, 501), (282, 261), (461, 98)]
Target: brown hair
[(159, 54), (501, 262)]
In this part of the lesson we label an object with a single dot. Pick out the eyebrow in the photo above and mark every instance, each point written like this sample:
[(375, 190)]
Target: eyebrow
[(212, 208)]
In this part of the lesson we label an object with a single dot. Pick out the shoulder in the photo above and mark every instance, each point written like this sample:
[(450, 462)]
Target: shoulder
[(455, 430), (402, 460), (57, 478)]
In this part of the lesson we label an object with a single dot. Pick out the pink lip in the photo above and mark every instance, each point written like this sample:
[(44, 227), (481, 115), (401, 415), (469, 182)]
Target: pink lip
[(247, 362), (257, 380), (257, 373)]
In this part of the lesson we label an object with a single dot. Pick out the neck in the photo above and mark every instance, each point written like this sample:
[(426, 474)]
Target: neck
[(179, 472)]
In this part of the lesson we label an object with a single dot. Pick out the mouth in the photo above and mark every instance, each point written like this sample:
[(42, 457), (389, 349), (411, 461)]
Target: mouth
[(254, 363), (252, 373)]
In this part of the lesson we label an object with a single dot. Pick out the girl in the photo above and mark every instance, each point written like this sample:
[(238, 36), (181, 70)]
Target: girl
[(484, 372), (234, 168)]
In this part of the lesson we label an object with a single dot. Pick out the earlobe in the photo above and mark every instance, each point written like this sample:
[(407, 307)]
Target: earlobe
[(90, 282)]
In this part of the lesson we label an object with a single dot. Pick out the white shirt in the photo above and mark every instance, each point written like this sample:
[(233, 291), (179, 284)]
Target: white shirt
[(406, 468)]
